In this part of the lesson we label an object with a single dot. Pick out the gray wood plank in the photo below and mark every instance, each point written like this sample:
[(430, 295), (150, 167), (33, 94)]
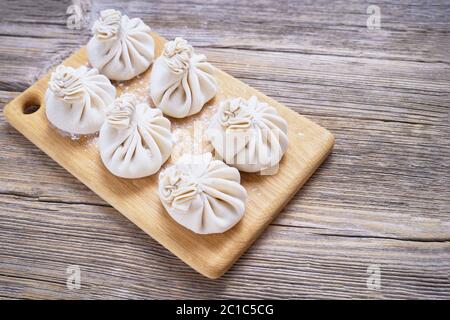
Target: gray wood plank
[(381, 198), (40, 239)]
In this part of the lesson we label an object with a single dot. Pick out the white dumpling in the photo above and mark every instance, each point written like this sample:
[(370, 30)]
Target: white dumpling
[(248, 134), (135, 140), (181, 81), (76, 99), (203, 194), (121, 48)]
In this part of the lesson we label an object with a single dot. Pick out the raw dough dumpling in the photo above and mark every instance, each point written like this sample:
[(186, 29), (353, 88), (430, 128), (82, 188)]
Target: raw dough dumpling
[(202, 194), (181, 81), (76, 99), (135, 140), (248, 134), (121, 48)]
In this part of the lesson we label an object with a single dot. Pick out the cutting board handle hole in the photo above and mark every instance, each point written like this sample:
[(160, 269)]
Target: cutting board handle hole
[(31, 105)]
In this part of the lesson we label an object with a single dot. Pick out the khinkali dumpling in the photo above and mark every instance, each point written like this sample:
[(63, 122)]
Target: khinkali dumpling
[(248, 134), (76, 99), (202, 194), (181, 81), (135, 140), (121, 48)]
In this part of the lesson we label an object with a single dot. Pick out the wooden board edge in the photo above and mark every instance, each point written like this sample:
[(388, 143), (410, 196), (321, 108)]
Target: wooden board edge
[(212, 269)]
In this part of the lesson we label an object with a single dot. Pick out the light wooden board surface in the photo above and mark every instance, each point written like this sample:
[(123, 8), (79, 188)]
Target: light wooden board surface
[(380, 198), (137, 199)]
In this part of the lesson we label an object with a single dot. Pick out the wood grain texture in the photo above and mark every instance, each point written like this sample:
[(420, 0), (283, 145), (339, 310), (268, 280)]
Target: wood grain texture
[(382, 197), (137, 199)]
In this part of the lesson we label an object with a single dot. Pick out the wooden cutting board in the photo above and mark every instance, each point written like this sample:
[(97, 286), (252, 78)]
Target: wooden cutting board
[(137, 199)]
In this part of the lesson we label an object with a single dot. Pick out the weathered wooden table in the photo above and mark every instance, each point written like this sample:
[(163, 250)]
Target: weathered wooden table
[(379, 206)]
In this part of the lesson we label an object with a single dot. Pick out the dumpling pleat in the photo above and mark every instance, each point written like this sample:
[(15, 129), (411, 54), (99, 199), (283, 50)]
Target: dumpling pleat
[(127, 54), (139, 149), (182, 90), (262, 136), (81, 109), (219, 201)]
